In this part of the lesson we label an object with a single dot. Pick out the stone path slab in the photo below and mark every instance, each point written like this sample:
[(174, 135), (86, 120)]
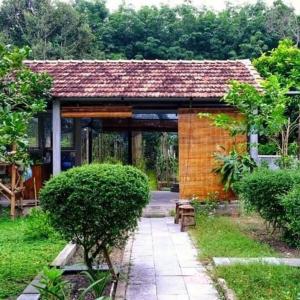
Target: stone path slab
[(225, 261), (164, 265), (161, 204)]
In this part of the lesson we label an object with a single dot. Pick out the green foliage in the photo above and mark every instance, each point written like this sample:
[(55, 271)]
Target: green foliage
[(233, 125), (221, 237), (22, 95), (258, 281), (86, 29), (97, 284), (166, 163), (96, 205), (269, 112), (283, 62), (268, 148), (233, 167), (275, 196), (21, 258), (207, 206), (166, 167), (263, 190), (152, 180), (291, 204), (52, 286), (38, 226), (266, 113)]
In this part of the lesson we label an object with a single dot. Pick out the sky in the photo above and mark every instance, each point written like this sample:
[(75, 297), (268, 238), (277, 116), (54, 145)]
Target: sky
[(215, 4)]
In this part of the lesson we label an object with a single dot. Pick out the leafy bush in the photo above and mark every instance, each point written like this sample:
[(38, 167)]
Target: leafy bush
[(291, 204), (52, 286), (275, 195), (96, 205), (263, 189), (97, 284), (207, 206), (38, 225), (232, 167)]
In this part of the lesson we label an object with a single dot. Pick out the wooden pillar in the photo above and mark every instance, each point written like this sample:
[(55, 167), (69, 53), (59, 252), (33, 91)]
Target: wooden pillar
[(77, 141), (13, 186), (90, 145), (129, 147), (137, 147), (56, 137)]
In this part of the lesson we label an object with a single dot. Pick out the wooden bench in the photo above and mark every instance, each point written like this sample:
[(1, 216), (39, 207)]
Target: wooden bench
[(177, 211), (187, 213)]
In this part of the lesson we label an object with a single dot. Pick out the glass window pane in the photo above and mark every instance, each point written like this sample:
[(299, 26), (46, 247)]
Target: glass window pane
[(33, 133), (47, 122), (155, 116), (67, 160), (67, 133)]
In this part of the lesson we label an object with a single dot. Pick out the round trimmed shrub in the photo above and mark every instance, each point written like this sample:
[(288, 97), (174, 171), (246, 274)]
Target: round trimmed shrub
[(96, 205)]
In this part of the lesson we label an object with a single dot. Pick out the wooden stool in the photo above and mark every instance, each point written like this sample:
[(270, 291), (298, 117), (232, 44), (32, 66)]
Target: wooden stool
[(187, 213), (177, 210)]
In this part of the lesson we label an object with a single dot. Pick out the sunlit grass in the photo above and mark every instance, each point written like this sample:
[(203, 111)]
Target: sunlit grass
[(20, 258), (257, 281), (221, 237)]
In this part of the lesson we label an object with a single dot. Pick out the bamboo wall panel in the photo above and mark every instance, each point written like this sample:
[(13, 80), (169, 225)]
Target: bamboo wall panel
[(96, 112), (199, 139)]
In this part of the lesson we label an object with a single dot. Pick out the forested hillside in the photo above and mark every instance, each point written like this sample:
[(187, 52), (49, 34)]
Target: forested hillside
[(87, 30)]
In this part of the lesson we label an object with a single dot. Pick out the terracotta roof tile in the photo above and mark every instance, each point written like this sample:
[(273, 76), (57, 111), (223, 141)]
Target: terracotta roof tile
[(154, 79)]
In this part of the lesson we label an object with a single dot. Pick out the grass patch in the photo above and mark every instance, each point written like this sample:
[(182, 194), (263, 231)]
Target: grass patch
[(220, 236), (22, 258), (258, 281), (152, 180)]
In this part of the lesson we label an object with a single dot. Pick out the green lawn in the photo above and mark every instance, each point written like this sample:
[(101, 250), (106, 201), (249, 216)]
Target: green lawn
[(21, 259), (152, 180), (220, 236), (257, 282)]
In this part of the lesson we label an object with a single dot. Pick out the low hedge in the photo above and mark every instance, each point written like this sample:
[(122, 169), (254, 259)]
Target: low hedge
[(291, 203), (96, 205), (268, 192)]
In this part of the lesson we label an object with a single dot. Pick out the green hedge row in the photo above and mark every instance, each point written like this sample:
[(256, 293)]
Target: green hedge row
[(275, 195)]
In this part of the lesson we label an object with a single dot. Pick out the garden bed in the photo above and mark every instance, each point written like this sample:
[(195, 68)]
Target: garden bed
[(79, 281), (21, 258)]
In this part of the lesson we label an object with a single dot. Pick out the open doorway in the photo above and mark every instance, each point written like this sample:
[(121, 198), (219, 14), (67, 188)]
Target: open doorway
[(156, 153)]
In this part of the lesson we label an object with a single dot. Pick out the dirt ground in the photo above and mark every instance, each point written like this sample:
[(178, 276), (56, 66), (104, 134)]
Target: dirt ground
[(79, 282), (254, 226)]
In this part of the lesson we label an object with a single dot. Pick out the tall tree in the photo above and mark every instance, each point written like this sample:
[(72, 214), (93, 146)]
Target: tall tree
[(86, 29)]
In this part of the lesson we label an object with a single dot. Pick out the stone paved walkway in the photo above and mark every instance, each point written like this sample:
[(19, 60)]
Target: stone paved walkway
[(161, 204), (164, 265), (225, 261)]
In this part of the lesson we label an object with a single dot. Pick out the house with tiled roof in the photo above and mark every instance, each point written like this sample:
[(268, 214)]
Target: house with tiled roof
[(134, 96)]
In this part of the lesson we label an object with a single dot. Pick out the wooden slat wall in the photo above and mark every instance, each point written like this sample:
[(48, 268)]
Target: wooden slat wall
[(96, 112), (198, 141)]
